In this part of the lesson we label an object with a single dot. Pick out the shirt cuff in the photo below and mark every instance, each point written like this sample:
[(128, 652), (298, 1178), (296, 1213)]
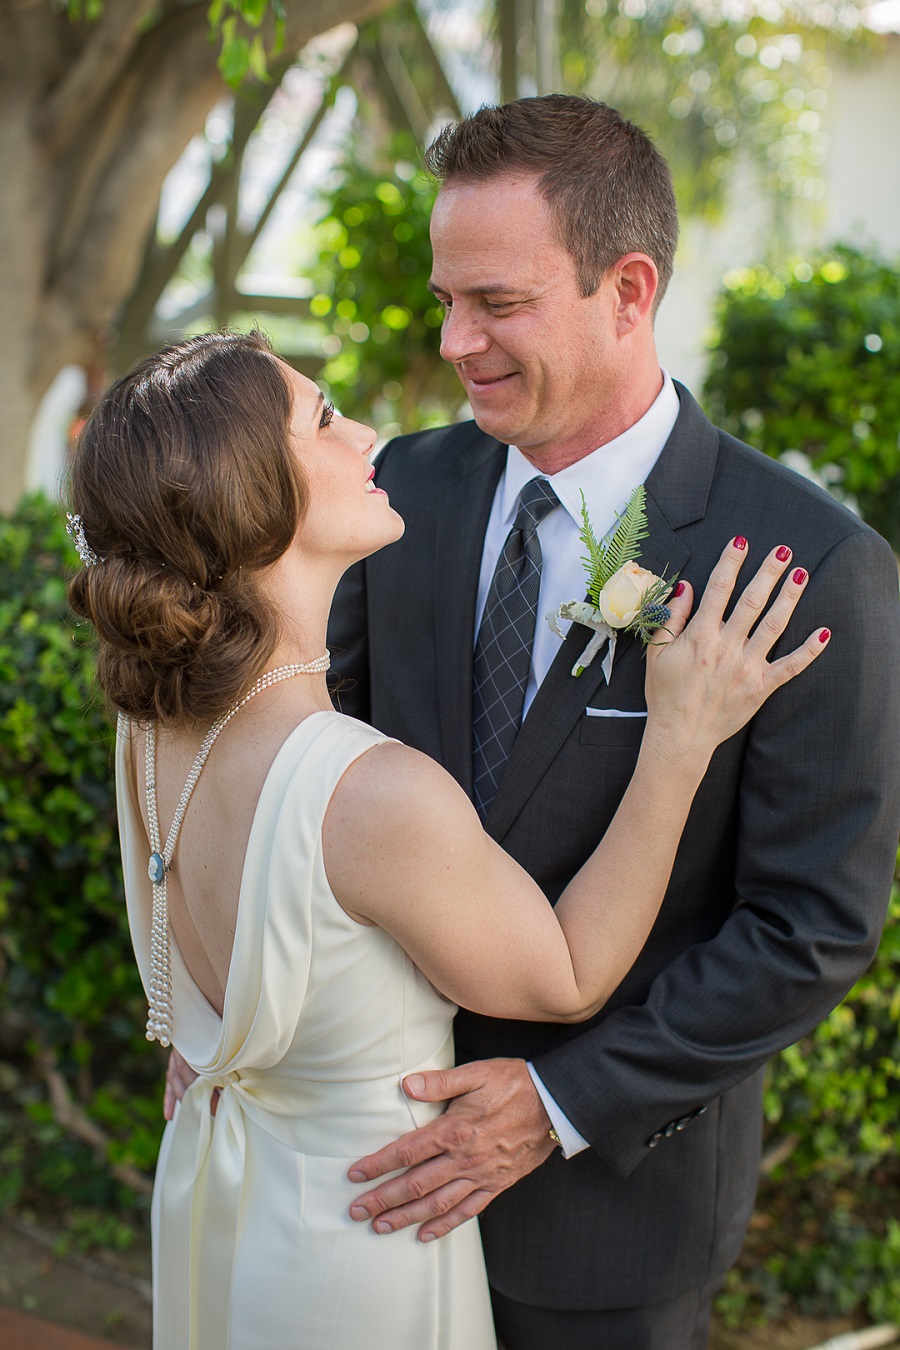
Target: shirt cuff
[(570, 1140)]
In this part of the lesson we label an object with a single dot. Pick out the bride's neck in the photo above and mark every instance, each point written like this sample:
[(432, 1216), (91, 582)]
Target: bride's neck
[(300, 592)]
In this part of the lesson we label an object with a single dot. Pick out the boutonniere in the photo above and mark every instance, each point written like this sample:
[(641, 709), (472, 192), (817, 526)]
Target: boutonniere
[(622, 597)]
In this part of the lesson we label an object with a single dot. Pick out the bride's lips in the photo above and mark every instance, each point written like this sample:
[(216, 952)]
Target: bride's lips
[(370, 488)]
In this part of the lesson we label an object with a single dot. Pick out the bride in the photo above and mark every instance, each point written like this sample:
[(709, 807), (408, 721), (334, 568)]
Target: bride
[(309, 905)]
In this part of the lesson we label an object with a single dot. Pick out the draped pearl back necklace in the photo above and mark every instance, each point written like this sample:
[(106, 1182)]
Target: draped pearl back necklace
[(160, 1021)]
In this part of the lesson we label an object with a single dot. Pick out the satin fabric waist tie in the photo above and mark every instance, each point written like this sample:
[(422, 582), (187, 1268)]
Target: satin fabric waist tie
[(198, 1212), (198, 1207)]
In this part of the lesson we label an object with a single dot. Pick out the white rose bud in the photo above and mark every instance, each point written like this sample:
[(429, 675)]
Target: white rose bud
[(620, 600)]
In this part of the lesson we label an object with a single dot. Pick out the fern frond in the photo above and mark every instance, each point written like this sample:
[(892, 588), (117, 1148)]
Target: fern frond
[(631, 528), (596, 563)]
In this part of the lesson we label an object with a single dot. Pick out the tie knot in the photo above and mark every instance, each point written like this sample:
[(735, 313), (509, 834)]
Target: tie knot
[(536, 500)]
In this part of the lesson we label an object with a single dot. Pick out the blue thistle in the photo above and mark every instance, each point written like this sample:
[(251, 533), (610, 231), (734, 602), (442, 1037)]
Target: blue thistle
[(653, 613)]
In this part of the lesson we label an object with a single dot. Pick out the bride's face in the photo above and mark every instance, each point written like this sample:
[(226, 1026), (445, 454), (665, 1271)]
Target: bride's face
[(346, 514)]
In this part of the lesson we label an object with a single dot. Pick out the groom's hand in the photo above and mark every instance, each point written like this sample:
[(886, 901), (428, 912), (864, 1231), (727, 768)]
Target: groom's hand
[(494, 1131), (179, 1077)]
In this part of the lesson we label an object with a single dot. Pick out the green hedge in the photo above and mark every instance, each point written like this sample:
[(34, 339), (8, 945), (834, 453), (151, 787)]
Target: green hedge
[(807, 359), (71, 1003), (826, 1235), (70, 996)]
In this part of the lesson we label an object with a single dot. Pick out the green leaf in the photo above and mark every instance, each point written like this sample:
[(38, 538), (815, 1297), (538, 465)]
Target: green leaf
[(234, 60), (625, 544), (254, 11), (621, 545), (595, 560), (258, 63)]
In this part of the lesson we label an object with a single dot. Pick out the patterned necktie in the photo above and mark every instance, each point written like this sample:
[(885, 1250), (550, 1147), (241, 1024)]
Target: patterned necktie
[(505, 638)]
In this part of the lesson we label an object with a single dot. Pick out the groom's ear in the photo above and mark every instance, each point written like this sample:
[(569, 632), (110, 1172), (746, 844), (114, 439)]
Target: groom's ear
[(636, 280)]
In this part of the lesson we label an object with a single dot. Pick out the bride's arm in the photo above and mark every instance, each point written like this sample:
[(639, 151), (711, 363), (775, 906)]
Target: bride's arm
[(404, 848)]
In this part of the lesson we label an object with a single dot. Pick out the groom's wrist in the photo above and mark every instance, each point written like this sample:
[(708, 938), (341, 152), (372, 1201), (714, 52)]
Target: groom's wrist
[(561, 1129)]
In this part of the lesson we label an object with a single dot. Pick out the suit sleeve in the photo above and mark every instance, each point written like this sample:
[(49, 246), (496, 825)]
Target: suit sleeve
[(819, 812)]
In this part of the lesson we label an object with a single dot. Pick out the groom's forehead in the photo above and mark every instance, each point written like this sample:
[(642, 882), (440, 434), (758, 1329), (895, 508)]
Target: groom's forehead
[(489, 233)]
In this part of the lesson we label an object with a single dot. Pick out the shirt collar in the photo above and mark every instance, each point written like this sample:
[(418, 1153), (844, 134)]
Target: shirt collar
[(608, 475)]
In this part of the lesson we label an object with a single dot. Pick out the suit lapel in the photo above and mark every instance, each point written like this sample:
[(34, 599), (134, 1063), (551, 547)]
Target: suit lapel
[(677, 491), (463, 515)]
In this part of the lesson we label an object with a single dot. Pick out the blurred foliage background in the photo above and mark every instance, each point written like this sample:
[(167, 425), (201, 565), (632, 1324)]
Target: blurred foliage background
[(805, 368), (301, 206)]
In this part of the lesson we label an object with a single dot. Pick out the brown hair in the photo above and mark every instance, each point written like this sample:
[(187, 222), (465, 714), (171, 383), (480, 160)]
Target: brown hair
[(607, 185), (187, 486)]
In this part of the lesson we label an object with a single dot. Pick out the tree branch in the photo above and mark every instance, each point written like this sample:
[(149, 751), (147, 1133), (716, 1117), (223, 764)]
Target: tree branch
[(160, 262), (442, 93), (75, 1121), (97, 68), (395, 69), (780, 1151), (172, 82), (328, 97)]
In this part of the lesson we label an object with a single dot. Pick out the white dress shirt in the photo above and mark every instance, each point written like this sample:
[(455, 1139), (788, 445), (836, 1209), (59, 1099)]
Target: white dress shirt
[(607, 477)]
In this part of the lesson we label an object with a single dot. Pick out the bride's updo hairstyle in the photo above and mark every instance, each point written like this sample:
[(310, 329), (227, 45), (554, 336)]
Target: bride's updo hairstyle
[(187, 487)]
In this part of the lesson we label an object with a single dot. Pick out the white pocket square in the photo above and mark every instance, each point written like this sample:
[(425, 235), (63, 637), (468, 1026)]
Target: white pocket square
[(613, 712)]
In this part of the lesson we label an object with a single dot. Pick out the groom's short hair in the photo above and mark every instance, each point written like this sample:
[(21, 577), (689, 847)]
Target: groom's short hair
[(607, 185)]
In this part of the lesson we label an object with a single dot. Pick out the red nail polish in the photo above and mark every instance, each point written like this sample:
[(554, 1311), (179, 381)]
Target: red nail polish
[(824, 635), (679, 590), (799, 576), (740, 542), (783, 553)]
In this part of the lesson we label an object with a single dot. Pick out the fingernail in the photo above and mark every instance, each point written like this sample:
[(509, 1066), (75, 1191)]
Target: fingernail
[(824, 635), (799, 576), (357, 1212), (356, 1175), (783, 553), (414, 1084), (427, 1237), (740, 542), (382, 1226), (679, 590)]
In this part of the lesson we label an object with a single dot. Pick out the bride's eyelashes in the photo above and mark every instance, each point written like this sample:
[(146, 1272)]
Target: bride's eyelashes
[(327, 415)]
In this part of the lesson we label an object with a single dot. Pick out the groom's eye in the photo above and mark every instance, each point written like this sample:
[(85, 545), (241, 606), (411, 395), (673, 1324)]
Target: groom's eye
[(327, 415)]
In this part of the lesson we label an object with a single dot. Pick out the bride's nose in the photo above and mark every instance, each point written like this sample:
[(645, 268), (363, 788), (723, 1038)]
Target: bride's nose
[(368, 438)]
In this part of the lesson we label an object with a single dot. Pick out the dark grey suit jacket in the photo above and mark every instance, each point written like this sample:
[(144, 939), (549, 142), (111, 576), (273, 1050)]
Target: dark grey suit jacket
[(781, 882)]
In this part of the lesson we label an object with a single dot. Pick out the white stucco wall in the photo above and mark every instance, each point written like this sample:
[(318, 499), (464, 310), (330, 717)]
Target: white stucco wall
[(861, 206)]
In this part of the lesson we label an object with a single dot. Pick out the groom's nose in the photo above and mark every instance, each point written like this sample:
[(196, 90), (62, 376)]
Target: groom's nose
[(462, 334)]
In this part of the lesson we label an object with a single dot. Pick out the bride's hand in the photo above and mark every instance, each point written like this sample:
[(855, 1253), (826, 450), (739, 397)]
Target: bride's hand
[(707, 677)]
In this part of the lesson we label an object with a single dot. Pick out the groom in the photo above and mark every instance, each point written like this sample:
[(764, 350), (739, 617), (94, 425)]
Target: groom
[(633, 1141)]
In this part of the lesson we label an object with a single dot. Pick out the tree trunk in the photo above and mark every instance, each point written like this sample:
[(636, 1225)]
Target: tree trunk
[(92, 117), (23, 231)]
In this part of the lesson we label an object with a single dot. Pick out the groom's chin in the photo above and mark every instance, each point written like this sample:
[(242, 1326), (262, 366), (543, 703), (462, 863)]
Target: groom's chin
[(494, 423)]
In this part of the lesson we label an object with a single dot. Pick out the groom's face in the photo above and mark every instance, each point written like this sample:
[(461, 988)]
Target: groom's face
[(539, 362)]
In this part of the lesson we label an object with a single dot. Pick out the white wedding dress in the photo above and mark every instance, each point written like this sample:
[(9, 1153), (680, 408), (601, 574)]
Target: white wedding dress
[(253, 1246)]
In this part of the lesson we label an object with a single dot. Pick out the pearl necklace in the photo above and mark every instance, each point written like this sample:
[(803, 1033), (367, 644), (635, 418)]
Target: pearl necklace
[(159, 1021)]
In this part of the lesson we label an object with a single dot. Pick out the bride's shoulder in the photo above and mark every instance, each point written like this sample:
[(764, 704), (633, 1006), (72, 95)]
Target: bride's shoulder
[(395, 823), (393, 791)]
